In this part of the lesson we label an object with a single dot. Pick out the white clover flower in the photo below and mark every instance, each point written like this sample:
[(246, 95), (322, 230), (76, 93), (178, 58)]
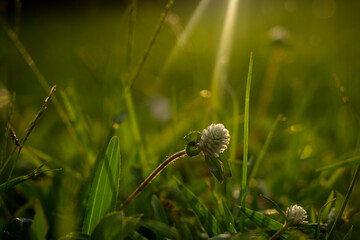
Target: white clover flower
[(214, 140), (295, 215)]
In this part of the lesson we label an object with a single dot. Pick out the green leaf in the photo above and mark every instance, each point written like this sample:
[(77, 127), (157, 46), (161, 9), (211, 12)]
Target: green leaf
[(348, 162), (320, 216), (39, 227), (263, 221), (226, 165), (276, 206), (136, 236), (159, 228), (115, 226), (229, 218), (192, 149), (215, 167), (105, 187), (349, 234), (159, 211), (207, 220), (75, 236), (194, 136)]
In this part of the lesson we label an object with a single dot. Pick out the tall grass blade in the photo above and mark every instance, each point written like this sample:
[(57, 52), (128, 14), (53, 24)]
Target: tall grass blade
[(246, 142), (276, 206), (264, 148), (348, 193), (104, 190), (39, 227), (348, 162), (207, 220), (317, 235)]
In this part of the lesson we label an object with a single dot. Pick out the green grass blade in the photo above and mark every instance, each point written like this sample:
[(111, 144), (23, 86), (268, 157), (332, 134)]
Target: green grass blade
[(229, 218), (115, 226), (264, 148), (348, 193), (104, 190), (348, 162), (246, 141), (136, 236), (263, 221), (160, 228), (320, 216), (349, 234), (39, 227), (276, 206), (207, 220), (159, 211)]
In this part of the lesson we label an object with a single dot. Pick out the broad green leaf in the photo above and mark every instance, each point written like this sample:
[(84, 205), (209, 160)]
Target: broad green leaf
[(194, 136), (104, 189), (159, 228), (276, 206), (263, 221), (226, 165), (39, 227), (115, 226), (159, 211), (207, 220), (215, 167), (75, 236), (348, 162)]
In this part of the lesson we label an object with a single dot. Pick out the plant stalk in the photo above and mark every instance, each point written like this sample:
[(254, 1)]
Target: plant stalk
[(281, 231), (163, 165)]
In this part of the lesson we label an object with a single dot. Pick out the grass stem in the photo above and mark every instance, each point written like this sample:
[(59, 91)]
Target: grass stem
[(151, 177)]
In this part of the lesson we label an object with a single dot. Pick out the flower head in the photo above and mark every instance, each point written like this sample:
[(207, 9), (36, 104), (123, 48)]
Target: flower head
[(214, 140), (295, 215)]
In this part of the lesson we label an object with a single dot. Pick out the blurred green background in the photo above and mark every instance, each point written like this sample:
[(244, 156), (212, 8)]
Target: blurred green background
[(306, 67)]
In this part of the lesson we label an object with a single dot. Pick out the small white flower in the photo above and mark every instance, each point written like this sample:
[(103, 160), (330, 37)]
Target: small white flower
[(214, 140), (295, 215)]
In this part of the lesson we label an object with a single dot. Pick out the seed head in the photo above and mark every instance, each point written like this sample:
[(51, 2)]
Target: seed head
[(214, 140), (295, 215)]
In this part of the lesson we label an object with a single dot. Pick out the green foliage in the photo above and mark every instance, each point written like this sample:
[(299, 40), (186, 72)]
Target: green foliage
[(104, 191), (39, 226), (206, 219)]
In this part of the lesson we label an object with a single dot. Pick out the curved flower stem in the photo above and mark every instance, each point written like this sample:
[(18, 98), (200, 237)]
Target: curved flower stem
[(281, 231), (151, 177)]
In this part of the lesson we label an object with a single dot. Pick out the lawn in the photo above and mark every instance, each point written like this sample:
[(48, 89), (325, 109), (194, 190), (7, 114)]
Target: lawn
[(95, 95)]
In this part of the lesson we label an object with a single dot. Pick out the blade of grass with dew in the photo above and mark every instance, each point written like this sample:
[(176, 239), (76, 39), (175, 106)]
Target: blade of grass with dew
[(263, 221), (159, 211), (264, 148), (115, 226), (160, 228), (317, 235), (207, 220), (40, 77), (348, 193), (105, 187), (223, 56), (39, 227), (348, 162), (246, 141)]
